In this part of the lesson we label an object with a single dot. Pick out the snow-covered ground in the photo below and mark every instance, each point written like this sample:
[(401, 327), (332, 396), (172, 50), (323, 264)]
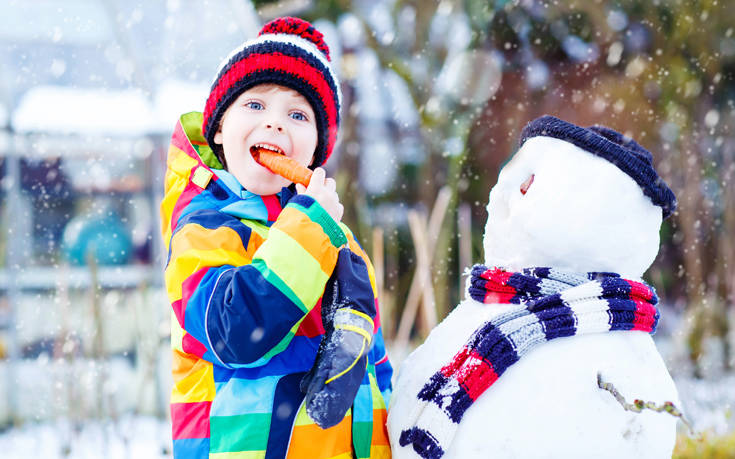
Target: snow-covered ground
[(131, 436), (708, 403)]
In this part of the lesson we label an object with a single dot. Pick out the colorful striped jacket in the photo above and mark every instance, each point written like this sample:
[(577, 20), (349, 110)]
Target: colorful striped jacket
[(244, 278)]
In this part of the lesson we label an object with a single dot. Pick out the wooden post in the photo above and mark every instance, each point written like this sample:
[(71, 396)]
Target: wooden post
[(425, 243), (417, 225), (386, 303), (64, 350), (464, 225)]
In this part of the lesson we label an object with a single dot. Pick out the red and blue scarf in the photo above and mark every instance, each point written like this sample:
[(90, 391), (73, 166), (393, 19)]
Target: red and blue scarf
[(552, 303)]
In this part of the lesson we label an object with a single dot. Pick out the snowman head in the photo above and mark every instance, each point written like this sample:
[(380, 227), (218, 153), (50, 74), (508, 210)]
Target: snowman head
[(582, 199)]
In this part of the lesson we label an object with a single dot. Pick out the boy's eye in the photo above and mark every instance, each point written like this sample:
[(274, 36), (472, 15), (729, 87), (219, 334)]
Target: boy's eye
[(298, 116), (254, 105)]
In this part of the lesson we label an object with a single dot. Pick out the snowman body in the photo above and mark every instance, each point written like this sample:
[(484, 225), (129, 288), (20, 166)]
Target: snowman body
[(580, 213)]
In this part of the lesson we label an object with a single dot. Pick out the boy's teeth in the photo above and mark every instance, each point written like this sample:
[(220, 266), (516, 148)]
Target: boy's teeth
[(269, 147)]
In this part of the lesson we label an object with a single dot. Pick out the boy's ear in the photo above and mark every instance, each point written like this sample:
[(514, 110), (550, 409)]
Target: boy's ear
[(218, 136)]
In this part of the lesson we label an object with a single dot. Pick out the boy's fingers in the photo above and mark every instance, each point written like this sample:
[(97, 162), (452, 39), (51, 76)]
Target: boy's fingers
[(330, 184), (300, 188), (318, 176)]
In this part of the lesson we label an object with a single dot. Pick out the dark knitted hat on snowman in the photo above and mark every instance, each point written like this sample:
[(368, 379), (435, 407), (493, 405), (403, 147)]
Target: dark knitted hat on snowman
[(606, 143), (289, 52)]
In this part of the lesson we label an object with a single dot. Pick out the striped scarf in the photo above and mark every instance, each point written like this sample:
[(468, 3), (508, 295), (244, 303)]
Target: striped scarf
[(551, 304)]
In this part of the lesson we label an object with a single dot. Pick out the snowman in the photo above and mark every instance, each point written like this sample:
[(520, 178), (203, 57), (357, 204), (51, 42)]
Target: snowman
[(559, 305)]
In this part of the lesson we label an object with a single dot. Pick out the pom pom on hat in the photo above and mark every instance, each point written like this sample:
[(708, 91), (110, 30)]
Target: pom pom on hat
[(296, 26), (625, 153), (289, 52)]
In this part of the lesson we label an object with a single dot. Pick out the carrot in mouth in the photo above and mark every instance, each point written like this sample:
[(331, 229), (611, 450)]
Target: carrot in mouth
[(282, 165)]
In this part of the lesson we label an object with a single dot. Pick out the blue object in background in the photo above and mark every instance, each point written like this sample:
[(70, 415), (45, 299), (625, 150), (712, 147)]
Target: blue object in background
[(106, 237)]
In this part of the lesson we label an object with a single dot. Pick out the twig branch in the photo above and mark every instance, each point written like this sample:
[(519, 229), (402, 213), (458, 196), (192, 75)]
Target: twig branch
[(639, 405)]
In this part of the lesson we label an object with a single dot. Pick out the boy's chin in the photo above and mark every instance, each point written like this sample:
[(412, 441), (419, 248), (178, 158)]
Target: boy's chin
[(268, 185)]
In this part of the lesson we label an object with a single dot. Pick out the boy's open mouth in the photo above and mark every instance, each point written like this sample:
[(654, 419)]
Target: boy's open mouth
[(254, 150), (275, 160)]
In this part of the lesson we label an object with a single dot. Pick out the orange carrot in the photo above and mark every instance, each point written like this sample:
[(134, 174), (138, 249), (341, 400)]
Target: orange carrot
[(282, 165)]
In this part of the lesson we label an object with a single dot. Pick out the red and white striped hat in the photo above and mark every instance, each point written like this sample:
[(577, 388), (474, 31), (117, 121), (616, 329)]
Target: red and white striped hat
[(289, 52)]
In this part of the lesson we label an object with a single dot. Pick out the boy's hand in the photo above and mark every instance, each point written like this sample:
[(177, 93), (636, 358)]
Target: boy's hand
[(348, 313), (324, 191)]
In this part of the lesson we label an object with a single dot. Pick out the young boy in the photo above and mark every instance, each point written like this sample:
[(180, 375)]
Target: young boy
[(249, 258)]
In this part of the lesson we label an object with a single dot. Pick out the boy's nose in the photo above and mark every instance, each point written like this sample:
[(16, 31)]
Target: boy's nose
[(277, 127)]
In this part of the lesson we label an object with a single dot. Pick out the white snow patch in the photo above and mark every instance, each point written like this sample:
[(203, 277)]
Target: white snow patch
[(56, 109), (140, 437), (174, 98)]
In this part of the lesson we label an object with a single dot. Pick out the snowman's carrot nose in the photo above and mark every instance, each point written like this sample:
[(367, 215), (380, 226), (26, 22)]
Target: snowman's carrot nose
[(527, 184), (282, 165)]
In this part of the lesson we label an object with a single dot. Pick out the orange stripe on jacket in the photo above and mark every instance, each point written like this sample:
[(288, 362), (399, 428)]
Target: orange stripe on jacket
[(197, 237), (380, 430), (195, 247), (310, 440), (193, 379), (310, 236)]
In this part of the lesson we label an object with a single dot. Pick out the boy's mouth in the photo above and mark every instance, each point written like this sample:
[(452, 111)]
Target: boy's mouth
[(266, 146), (274, 159)]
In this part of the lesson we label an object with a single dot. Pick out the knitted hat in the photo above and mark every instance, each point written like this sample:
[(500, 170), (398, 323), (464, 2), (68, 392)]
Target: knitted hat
[(606, 143), (289, 52)]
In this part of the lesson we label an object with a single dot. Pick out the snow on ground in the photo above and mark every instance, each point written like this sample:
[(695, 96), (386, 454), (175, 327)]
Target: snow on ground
[(709, 403), (140, 437)]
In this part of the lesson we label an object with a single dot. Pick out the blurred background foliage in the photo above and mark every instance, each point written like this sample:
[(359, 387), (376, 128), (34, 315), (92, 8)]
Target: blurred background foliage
[(435, 96), (660, 72)]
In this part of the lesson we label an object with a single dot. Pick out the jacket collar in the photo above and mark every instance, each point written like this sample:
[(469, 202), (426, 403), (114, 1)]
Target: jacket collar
[(250, 205), (225, 191)]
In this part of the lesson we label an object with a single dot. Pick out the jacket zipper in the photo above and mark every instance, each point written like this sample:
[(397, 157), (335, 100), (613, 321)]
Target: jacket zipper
[(293, 424)]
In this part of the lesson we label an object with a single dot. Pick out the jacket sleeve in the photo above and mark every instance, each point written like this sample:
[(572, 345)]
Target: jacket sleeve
[(238, 306), (379, 354), (383, 368)]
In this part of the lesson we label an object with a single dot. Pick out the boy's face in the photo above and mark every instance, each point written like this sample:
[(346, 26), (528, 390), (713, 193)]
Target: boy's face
[(272, 116)]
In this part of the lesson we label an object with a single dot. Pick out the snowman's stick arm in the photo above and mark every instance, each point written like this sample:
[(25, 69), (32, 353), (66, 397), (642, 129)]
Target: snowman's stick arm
[(639, 405)]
